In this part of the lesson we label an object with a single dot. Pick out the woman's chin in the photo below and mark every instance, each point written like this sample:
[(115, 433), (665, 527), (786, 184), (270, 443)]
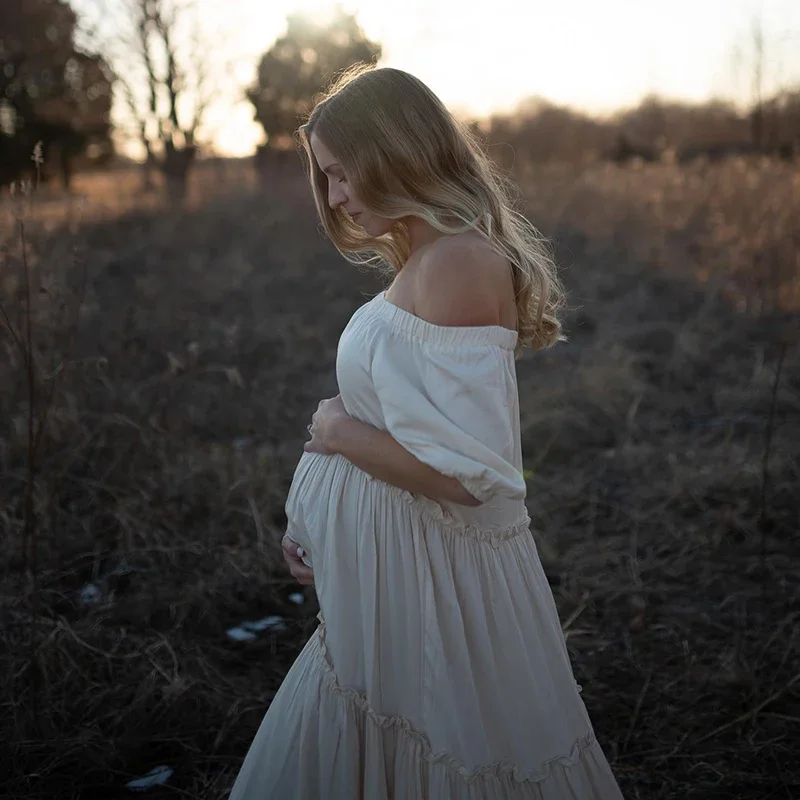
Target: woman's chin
[(375, 231)]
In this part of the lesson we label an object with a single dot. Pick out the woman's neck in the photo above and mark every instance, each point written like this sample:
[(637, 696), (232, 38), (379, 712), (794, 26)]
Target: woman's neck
[(421, 233)]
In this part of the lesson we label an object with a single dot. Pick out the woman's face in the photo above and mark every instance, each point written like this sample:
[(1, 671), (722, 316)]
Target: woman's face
[(340, 192)]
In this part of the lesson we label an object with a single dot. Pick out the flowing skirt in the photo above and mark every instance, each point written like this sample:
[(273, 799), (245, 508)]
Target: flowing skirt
[(439, 669)]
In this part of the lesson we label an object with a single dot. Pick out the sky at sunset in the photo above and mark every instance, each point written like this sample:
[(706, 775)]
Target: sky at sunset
[(484, 57)]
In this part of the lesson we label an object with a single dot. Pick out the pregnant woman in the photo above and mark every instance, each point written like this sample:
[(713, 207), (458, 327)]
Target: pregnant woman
[(439, 669)]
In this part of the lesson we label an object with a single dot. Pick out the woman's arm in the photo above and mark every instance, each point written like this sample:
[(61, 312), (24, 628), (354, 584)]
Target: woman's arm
[(378, 454)]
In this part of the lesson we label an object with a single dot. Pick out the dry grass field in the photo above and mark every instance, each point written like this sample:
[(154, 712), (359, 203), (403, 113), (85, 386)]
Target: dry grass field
[(185, 351)]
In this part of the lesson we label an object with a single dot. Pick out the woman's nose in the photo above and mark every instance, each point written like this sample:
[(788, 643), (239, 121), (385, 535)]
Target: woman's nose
[(336, 196)]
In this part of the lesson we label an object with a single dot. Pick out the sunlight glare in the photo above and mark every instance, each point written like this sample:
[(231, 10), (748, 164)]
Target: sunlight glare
[(320, 11), (595, 57)]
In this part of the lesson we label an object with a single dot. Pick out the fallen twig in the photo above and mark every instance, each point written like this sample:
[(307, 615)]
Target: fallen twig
[(753, 711), (636, 710)]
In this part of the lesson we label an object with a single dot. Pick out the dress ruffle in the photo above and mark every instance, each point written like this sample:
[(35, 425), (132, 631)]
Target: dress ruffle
[(435, 512), (384, 756), (357, 704)]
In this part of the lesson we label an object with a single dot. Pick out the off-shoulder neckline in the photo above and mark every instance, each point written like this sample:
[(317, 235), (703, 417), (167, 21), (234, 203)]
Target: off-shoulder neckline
[(444, 334)]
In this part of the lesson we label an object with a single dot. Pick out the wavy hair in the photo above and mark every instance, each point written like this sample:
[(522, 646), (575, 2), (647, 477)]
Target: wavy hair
[(406, 155)]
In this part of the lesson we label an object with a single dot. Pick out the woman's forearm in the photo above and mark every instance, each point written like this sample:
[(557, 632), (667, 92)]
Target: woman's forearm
[(379, 454)]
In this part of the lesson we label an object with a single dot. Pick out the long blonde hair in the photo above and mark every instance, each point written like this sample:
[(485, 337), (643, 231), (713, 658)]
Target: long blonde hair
[(406, 155)]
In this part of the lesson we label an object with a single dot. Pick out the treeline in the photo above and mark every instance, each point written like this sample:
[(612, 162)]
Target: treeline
[(657, 129), (57, 80), (59, 93)]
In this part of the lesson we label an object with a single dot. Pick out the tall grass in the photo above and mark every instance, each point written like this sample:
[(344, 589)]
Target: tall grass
[(178, 376), (731, 224)]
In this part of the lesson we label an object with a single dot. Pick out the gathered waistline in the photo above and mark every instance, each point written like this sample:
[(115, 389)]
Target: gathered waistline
[(434, 512), (431, 511)]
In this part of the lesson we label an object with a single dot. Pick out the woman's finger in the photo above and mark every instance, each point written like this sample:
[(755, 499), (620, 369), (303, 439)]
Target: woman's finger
[(292, 555), (293, 560), (291, 548)]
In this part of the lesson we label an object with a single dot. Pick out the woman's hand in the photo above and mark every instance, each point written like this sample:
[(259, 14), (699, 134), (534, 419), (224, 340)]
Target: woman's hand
[(292, 553), (329, 413)]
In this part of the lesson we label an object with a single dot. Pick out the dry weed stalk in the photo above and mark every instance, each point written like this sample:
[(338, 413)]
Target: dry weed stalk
[(40, 387), (763, 520)]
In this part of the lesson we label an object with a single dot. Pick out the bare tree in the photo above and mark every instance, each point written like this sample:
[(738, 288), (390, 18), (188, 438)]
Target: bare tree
[(757, 113), (298, 66), (761, 55), (157, 53)]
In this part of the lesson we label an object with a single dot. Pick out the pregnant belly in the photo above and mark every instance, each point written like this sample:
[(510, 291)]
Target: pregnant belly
[(314, 500), (365, 542), (310, 476)]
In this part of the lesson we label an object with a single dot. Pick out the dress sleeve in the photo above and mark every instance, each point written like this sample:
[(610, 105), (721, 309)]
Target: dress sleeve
[(449, 407)]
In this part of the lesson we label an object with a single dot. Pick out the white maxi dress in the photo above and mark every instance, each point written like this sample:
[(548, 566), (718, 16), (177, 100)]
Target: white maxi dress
[(439, 669)]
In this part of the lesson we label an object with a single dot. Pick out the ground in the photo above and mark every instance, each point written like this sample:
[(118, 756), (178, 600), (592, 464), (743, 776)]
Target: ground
[(661, 449)]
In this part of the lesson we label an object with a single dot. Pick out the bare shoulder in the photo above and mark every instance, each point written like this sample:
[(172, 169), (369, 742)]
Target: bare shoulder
[(461, 281)]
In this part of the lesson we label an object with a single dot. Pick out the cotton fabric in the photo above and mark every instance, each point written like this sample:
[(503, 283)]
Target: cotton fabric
[(439, 668)]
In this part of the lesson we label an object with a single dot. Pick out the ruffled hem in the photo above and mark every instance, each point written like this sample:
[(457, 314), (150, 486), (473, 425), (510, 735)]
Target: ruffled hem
[(322, 741), (357, 703)]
